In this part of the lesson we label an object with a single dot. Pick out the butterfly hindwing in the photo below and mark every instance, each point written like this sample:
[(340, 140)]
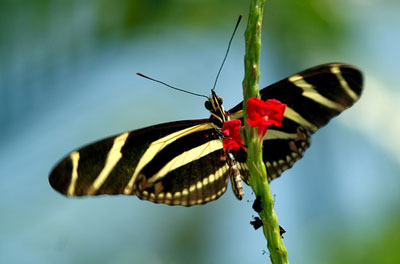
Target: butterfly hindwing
[(199, 181), (190, 170)]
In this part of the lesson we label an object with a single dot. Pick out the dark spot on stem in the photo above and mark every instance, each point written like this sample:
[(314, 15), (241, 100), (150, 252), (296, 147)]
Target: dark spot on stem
[(257, 205), (256, 223)]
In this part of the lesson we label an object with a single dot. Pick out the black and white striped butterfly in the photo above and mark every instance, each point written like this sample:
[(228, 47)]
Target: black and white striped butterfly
[(184, 163)]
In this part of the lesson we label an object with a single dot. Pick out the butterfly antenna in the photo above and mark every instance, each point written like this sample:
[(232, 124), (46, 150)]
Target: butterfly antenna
[(170, 86), (227, 51)]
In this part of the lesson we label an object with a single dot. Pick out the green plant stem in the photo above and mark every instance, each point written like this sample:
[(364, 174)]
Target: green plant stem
[(258, 175)]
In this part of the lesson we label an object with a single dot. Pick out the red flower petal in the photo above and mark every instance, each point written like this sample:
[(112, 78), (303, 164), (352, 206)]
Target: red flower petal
[(262, 114), (233, 140)]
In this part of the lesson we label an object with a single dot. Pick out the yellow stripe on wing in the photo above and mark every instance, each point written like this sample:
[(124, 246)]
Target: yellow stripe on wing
[(156, 146), (74, 156), (310, 92), (187, 157), (343, 83), (113, 156)]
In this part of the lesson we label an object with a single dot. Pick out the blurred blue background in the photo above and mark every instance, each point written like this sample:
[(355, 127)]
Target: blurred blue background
[(67, 77)]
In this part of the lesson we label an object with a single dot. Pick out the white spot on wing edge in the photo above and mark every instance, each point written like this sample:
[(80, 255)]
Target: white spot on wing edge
[(113, 156), (200, 185), (74, 156)]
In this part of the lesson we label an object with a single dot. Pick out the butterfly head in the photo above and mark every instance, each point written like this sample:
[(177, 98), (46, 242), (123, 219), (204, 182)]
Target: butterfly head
[(214, 105)]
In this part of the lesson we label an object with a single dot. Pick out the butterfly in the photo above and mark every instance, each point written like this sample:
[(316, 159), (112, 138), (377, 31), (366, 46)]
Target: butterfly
[(184, 163)]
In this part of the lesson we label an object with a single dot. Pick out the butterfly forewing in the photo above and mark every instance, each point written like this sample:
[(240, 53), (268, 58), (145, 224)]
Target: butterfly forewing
[(318, 94)]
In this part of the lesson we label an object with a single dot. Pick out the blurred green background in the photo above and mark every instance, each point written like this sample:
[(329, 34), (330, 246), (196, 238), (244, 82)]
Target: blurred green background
[(67, 77)]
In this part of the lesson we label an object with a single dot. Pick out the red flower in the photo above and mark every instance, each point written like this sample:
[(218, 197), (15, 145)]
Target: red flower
[(262, 114), (233, 140)]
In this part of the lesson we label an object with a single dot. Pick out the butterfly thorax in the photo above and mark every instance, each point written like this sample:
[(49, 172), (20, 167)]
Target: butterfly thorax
[(214, 105)]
